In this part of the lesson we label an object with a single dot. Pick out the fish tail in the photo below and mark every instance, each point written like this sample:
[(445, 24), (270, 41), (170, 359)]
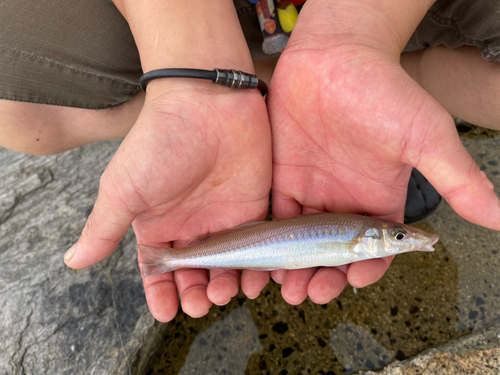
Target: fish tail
[(155, 260)]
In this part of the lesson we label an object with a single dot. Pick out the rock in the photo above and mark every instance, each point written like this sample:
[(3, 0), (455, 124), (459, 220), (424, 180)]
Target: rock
[(357, 349), (477, 354), (54, 320), (219, 349)]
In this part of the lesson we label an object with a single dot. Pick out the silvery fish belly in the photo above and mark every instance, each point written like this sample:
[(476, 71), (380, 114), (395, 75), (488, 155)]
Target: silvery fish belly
[(300, 242)]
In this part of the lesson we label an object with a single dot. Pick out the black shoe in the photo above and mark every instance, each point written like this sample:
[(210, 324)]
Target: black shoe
[(422, 199)]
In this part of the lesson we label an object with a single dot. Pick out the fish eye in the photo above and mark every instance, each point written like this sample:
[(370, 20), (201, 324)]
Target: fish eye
[(399, 233)]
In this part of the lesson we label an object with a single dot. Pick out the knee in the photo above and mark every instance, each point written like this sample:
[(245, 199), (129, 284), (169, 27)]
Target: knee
[(37, 129), (461, 80), (30, 128)]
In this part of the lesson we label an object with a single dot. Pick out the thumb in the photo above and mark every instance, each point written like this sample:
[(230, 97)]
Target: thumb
[(103, 231), (455, 175)]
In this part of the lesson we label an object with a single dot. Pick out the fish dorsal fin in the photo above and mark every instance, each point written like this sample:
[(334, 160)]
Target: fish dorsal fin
[(199, 239)]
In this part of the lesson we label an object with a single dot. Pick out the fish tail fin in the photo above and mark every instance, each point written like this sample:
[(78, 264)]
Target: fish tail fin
[(155, 260)]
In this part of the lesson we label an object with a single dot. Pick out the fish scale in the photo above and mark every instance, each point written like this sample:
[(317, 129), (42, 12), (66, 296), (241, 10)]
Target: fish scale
[(300, 242)]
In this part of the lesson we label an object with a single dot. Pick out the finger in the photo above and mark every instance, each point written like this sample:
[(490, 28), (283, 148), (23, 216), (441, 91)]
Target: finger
[(223, 286), (326, 284), (455, 175), (192, 287), (252, 282), (279, 276), (161, 294), (309, 210), (284, 207), (103, 231), (397, 217), (367, 272), (294, 289)]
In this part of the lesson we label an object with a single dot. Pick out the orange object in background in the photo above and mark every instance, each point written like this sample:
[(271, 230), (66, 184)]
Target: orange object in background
[(270, 26)]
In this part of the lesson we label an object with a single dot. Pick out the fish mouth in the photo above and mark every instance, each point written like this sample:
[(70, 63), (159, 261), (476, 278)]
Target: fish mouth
[(434, 240)]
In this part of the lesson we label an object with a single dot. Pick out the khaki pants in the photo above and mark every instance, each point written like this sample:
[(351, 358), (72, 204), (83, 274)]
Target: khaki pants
[(81, 53)]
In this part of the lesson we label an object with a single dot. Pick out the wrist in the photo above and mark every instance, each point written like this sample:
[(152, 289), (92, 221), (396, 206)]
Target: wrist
[(385, 25), (164, 87), (197, 34), (162, 93)]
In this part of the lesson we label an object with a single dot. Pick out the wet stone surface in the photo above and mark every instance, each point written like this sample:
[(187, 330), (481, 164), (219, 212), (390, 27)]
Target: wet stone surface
[(347, 336), (225, 347), (423, 301), (413, 308), (466, 130)]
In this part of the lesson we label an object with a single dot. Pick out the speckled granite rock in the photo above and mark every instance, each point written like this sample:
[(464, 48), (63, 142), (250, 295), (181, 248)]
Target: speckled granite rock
[(477, 354), (54, 320)]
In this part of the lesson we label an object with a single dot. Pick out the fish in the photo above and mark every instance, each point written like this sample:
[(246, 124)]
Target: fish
[(314, 240)]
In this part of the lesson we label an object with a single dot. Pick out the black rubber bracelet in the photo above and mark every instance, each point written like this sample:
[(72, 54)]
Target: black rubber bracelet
[(226, 77)]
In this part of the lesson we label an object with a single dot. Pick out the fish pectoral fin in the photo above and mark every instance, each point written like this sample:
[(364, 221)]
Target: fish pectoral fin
[(199, 239)]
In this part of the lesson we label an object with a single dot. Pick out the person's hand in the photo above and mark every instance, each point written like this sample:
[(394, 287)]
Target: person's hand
[(198, 160), (348, 124)]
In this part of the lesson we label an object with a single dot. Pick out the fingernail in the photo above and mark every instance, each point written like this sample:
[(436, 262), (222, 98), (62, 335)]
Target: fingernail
[(70, 253), (223, 304)]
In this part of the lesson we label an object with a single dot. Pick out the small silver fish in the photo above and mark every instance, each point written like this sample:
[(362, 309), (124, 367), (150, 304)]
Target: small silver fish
[(304, 241)]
